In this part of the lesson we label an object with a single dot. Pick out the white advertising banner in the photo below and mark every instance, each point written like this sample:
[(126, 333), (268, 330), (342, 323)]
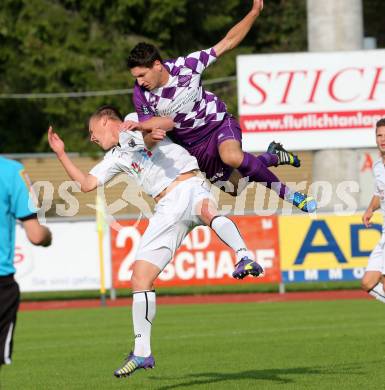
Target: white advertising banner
[(311, 101), (70, 263)]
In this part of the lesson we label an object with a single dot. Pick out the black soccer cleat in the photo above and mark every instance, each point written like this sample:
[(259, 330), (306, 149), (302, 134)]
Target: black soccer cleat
[(284, 157)]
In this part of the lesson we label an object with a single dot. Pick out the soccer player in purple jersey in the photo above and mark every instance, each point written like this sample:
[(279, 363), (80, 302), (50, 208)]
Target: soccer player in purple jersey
[(172, 89)]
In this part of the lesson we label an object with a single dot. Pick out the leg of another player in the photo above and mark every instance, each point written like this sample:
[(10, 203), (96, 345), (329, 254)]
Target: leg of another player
[(255, 168), (228, 232), (373, 283)]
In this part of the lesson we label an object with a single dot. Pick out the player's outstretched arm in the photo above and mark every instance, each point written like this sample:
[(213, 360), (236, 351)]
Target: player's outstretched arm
[(373, 206), (87, 182), (235, 36)]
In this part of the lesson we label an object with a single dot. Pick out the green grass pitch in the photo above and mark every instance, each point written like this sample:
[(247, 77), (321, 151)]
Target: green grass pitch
[(293, 345)]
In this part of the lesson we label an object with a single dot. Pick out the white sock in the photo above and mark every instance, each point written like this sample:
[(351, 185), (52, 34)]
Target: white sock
[(378, 292), (228, 232), (143, 313)]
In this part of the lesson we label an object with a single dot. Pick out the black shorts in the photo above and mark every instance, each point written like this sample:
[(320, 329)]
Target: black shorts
[(9, 304)]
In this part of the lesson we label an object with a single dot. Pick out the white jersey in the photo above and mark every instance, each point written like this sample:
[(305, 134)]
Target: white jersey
[(153, 170), (379, 176)]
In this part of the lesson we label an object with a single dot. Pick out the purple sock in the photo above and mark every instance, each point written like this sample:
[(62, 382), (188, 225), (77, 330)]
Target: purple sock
[(270, 159), (256, 169)]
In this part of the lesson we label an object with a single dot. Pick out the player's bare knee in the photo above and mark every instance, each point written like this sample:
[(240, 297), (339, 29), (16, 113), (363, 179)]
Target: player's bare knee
[(206, 210), (140, 282), (370, 279), (364, 285), (143, 275), (367, 284), (233, 158)]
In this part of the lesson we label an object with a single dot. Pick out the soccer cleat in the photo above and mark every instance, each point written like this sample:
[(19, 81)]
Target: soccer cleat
[(304, 202), (284, 157), (133, 363), (246, 267)]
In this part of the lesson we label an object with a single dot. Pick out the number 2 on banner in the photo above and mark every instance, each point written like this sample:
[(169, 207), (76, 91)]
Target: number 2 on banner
[(125, 233)]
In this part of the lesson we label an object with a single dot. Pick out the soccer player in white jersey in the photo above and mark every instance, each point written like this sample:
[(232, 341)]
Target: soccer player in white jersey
[(168, 173), (373, 281), (173, 88)]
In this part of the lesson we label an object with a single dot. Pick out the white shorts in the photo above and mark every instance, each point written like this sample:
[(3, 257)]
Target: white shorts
[(175, 216), (377, 258)]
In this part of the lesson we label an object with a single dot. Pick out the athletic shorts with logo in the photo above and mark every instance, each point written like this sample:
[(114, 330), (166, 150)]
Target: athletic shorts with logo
[(175, 216)]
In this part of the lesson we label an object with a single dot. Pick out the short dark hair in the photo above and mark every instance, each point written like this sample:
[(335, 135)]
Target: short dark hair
[(109, 111), (380, 123), (143, 54)]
